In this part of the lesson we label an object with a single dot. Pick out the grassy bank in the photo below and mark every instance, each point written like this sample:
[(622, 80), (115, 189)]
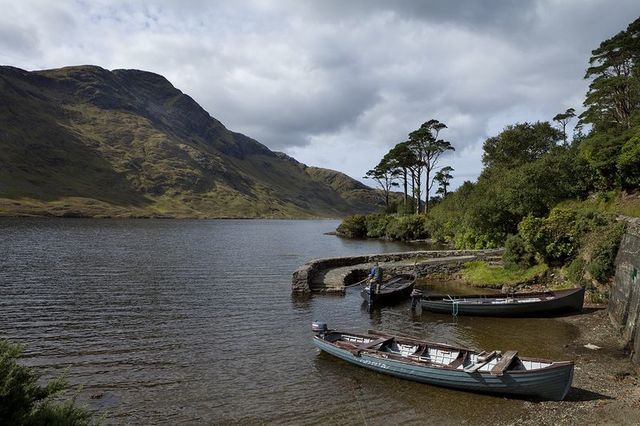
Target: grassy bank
[(481, 274), (614, 202)]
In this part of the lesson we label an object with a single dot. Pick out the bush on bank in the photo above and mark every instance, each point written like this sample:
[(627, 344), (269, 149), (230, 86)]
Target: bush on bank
[(557, 238), (24, 402), (518, 254), (392, 226), (353, 227)]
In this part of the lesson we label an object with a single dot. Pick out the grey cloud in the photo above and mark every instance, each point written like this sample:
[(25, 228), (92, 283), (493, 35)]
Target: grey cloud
[(491, 14), (15, 43)]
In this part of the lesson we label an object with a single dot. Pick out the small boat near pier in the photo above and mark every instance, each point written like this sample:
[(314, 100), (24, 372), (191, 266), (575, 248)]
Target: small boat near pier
[(392, 290)]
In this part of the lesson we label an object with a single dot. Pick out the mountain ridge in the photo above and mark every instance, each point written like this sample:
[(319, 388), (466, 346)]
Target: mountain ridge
[(86, 141)]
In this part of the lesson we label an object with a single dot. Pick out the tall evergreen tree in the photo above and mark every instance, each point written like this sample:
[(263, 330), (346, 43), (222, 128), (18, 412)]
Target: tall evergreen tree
[(405, 160), (563, 120), (614, 92), (443, 177), (385, 174), (519, 144), (428, 148)]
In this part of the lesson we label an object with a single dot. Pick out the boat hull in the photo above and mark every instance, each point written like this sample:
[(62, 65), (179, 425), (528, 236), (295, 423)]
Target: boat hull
[(388, 297), (571, 302), (551, 383)]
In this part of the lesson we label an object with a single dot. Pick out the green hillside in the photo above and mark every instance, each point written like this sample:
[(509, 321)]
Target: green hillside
[(85, 141)]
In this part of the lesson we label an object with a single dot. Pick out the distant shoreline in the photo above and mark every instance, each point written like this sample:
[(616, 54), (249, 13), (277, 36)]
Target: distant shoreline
[(88, 208)]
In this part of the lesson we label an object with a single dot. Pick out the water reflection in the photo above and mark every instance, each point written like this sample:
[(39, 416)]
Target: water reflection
[(452, 287)]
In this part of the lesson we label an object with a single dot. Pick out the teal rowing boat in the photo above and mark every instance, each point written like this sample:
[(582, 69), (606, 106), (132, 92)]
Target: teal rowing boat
[(448, 366)]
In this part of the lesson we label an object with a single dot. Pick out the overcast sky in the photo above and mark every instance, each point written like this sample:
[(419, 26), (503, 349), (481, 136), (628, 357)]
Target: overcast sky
[(336, 84)]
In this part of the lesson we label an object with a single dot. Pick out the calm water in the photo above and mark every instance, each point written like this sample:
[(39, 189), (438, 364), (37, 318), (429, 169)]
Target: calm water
[(193, 321)]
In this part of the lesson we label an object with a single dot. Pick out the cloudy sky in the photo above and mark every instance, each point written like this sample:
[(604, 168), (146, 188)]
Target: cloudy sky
[(336, 83)]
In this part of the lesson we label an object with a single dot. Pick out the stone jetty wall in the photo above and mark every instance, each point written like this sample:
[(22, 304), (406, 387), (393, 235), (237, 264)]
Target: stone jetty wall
[(624, 302), (311, 276)]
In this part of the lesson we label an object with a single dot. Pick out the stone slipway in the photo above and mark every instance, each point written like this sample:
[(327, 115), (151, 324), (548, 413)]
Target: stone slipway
[(332, 274)]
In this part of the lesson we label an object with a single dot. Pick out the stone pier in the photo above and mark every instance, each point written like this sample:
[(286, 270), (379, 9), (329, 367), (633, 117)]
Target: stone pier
[(332, 274)]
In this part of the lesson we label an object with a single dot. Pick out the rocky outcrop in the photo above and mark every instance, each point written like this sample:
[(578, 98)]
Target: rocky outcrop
[(624, 302), (332, 274)]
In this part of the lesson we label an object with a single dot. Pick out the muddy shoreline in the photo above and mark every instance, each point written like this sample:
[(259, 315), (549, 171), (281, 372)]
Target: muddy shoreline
[(605, 386)]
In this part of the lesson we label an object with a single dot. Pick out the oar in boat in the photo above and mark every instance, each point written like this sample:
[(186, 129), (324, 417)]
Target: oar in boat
[(356, 284)]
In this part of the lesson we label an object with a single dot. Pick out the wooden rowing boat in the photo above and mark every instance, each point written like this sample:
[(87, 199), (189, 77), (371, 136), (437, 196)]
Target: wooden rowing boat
[(449, 366), (396, 288), (517, 304)]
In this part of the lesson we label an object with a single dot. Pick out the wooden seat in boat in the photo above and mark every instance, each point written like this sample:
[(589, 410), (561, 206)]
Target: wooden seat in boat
[(482, 361), (381, 341), (504, 363)]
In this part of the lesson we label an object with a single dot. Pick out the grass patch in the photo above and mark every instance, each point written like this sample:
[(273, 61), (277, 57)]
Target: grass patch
[(562, 285), (616, 202), (481, 274)]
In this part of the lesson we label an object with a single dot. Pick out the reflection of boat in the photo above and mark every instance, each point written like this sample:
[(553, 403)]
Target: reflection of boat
[(448, 366), (517, 304), (395, 288)]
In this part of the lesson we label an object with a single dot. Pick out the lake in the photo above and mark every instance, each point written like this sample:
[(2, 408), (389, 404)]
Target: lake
[(193, 321)]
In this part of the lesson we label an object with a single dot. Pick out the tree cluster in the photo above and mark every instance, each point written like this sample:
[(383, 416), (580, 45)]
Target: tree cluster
[(415, 162)]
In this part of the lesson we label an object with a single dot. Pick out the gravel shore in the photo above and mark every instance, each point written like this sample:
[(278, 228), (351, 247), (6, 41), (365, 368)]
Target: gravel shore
[(605, 386)]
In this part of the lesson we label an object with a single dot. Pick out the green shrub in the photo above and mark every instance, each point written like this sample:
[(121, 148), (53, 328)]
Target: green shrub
[(353, 227), (604, 250), (407, 209), (407, 228), (575, 271), (629, 164), (377, 225), (517, 254), (471, 239), (557, 237), (395, 227), (24, 402)]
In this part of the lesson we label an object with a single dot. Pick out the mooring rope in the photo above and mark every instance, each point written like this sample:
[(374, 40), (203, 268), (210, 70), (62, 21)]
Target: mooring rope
[(454, 306)]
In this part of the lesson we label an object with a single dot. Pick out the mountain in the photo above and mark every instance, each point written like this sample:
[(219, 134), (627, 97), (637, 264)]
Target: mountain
[(85, 141)]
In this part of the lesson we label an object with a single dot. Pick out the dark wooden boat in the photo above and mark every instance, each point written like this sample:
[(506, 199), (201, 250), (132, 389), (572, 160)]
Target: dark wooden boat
[(517, 304), (396, 288), (443, 365)]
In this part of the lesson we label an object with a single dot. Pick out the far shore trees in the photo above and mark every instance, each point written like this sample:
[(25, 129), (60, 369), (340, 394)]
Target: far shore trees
[(385, 174)]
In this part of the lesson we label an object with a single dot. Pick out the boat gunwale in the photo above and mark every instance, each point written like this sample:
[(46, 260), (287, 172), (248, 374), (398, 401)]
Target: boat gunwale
[(460, 299), (424, 363)]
